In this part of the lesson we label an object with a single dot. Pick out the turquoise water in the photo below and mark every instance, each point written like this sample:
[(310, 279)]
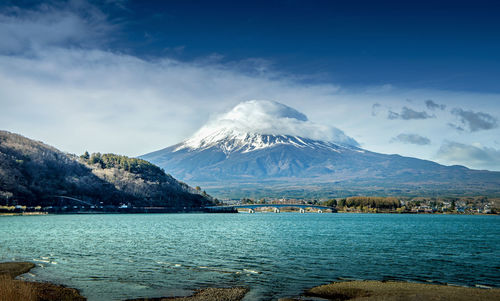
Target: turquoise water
[(276, 255)]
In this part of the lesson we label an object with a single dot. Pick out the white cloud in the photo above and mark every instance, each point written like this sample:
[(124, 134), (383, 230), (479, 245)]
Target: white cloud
[(67, 91), (411, 139), (120, 103), (269, 117), (473, 156), (78, 99), (76, 24)]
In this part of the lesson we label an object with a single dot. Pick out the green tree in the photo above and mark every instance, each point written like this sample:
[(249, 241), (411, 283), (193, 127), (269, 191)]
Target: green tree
[(247, 201), (331, 203), (95, 158), (85, 156)]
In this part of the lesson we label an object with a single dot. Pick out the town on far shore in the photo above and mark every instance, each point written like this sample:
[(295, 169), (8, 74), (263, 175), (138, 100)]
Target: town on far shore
[(369, 204), (355, 204)]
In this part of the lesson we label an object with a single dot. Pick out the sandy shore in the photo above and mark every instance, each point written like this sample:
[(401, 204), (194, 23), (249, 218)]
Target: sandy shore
[(208, 294), (17, 290), (392, 291)]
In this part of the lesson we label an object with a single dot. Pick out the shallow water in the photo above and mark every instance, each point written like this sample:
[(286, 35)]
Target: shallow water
[(139, 255)]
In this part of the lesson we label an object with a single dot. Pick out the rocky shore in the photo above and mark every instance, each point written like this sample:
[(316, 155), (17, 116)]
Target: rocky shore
[(17, 290)]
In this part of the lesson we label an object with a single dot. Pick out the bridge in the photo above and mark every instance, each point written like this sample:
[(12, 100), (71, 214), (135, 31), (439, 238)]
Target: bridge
[(251, 207), (62, 198)]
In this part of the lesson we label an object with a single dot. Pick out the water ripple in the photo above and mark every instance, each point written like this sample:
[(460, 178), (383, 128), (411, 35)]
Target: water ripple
[(112, 257)]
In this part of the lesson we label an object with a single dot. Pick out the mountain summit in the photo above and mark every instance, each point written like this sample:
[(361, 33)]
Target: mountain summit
[(258, 124), (265, 144)]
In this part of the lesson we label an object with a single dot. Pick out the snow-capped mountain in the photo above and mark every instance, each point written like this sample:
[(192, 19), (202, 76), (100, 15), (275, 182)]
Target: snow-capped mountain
[(229, 141), (249, 122), (263, 143)]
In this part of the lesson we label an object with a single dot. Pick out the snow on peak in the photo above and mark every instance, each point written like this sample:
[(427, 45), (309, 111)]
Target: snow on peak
[(247, 125)]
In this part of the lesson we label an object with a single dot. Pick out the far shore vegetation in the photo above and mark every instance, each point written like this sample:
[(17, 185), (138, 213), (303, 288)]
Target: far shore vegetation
[(356, 204), (372, 204)]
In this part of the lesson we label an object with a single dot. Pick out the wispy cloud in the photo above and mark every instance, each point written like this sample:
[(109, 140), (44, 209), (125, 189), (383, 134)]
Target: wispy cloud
[(76, 24), (411, 139), (475, 156), (376, 109), (431, 105), (473, 121), (408, 114)]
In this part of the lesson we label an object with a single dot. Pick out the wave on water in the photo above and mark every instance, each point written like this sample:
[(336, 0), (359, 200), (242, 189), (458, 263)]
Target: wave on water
[(44, 260), (251, 271), (208, 268), (483, 286), (41, 260)]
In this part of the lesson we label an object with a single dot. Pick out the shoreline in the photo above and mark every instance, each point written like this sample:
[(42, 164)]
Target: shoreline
[(202, 212), (394, 290), (13, 289), (24, 213)]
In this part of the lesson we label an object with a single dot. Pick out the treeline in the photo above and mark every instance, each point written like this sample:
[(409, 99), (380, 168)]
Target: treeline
[(143, 180), (367, 202), (146, 169)]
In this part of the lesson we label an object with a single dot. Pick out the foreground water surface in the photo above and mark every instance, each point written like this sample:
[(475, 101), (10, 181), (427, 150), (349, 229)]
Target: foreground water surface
[(112, 257)]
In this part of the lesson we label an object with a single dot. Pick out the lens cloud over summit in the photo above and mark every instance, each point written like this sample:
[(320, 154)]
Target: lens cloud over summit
[(272, 118)]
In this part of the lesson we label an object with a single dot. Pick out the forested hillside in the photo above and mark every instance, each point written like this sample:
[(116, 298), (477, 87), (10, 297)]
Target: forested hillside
[(33, 173)]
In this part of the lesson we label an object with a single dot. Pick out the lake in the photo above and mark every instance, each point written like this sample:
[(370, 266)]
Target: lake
[(118, 256)]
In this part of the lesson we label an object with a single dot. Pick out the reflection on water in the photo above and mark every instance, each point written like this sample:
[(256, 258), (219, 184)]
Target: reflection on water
[(276, 255)]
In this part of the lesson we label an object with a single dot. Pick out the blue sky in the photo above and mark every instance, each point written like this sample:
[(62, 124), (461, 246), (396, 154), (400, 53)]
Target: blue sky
[(446, 45), (451, 45), (418, 79)]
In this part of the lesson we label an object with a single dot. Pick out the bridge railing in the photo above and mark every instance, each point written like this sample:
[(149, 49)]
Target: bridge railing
[(252, 207)]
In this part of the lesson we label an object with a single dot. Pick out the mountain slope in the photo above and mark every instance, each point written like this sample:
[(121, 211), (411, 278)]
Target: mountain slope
[(230, 152), (32, 173), (309, 161)]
